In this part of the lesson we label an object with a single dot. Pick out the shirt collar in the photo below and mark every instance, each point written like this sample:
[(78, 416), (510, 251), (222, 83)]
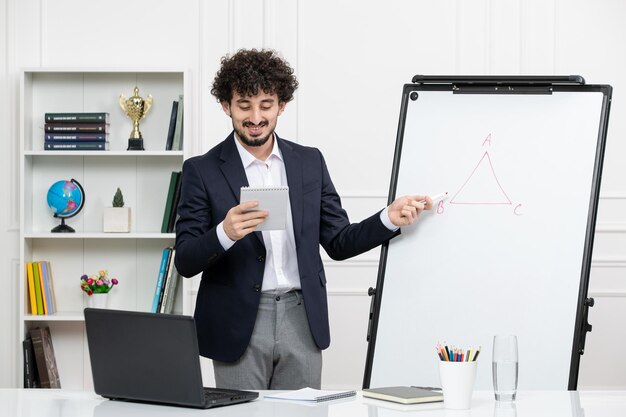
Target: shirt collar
[(248, 159)]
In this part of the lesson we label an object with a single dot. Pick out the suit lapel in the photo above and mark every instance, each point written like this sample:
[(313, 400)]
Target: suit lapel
[(233, 171), (293, 168), (232, 167)]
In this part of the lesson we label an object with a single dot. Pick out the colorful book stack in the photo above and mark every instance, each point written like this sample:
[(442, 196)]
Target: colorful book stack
[(174, 140), (171, 204), (76, 131), (40, 288), (166, 284)]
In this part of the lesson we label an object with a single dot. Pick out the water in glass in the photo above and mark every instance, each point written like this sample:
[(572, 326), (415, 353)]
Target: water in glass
[(505, 380)]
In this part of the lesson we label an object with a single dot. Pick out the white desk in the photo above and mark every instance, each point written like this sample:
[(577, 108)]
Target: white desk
[(61, 403)]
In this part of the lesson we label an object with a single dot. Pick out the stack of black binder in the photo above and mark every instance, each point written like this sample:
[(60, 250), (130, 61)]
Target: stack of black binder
[(76, 131)]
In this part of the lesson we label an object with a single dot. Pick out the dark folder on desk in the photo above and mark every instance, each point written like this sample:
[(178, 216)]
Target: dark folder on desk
[(404, 395), (150, 358)]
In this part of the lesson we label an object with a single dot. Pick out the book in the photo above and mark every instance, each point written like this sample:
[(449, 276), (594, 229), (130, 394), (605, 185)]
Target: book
[(54, 299), (172, 288), (175, 200), (44, 295), (75, 146), (37, 285), (77, 117), (76, 127), (182, 124), (44, 357), (159, 282), (77, 136), (404, 395), (166, 282), (45, 288), (172, 128), (177, 142), (31, 288), (31, 379), (169, 202), (165, 277), (311, 395), (47, 280), (273, 199)]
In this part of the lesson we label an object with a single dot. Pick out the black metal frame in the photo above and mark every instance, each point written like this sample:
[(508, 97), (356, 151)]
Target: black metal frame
[(503, 85)]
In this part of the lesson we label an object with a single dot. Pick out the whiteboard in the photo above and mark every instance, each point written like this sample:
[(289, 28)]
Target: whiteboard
[(508, 251)]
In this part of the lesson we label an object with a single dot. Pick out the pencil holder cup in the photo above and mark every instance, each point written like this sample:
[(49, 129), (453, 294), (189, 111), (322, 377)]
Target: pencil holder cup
[(457, 383)]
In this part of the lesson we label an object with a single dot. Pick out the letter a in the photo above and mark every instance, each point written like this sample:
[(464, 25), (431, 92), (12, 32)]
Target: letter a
[(487, 139)]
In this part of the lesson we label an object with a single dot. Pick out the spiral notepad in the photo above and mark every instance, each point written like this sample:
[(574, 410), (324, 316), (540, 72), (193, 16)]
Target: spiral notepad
[(310, 394), (273, 199)]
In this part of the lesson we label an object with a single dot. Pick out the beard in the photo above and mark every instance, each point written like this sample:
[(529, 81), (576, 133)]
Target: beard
[(253, 141)]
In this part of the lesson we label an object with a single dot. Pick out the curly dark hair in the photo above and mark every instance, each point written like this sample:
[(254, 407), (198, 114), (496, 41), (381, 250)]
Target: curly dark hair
[(250, 70)]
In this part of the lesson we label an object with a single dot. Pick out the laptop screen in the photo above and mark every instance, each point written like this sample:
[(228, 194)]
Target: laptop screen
[(144, 356)]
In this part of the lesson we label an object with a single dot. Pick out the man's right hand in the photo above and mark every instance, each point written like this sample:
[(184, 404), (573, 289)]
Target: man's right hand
[(241, 220)]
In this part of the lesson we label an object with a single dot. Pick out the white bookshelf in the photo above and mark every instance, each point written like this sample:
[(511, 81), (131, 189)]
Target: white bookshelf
[(109, 153), (143, 176)]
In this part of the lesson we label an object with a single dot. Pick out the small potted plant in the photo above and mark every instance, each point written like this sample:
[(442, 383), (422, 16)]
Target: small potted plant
[(117, 218), (97, 288)]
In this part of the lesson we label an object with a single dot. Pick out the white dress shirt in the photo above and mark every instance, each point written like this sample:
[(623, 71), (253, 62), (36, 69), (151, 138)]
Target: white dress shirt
[(281, 272)]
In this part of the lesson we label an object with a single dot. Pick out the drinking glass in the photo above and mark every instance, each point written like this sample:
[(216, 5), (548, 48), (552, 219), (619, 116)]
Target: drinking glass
[(505, 367)]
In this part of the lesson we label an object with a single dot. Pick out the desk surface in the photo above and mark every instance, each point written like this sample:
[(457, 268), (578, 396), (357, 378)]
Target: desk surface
[(62, 403)]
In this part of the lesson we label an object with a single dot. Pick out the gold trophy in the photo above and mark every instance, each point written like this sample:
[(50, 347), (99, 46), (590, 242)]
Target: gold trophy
[(136, 108)]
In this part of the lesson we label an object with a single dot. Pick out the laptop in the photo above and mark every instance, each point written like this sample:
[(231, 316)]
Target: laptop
[(151, 358)]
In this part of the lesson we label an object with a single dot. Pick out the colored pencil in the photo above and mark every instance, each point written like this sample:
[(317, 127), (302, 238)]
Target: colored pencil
[(454, 354)]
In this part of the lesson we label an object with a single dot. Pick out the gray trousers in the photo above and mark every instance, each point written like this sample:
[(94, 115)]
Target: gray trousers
[(281, 355)]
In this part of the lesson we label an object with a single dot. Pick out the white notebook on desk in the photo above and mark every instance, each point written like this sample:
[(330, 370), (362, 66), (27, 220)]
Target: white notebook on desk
[(273, 199), (311, 395)]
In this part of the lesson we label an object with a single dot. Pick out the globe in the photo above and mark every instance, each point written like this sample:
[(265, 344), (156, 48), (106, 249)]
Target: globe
[(66, 199)]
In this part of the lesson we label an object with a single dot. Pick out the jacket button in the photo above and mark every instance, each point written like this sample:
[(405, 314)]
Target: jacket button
[(260, 258), (257, 287)]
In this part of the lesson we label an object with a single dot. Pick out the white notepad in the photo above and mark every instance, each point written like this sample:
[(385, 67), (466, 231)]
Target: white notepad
[(311, 395), (273, 199)]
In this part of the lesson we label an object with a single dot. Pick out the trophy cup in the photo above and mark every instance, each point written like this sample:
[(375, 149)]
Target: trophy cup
[(136, 108)]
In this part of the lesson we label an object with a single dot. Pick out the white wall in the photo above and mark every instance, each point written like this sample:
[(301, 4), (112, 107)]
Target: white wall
[(352, 58)]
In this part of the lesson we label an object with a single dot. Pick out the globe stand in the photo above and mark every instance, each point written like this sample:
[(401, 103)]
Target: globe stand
[(63, 228)]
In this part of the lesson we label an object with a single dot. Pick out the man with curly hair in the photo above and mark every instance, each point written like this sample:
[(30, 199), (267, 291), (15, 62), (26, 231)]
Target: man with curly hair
[(261, 310)]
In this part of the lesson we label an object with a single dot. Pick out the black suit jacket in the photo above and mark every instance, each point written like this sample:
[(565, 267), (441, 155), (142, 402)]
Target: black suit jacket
[(229, 293)]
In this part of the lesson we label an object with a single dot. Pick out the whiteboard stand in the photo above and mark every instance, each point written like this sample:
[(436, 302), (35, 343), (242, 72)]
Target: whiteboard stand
[(509, 251)]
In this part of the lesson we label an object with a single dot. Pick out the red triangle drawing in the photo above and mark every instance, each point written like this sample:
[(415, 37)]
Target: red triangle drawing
[(482, 186)]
